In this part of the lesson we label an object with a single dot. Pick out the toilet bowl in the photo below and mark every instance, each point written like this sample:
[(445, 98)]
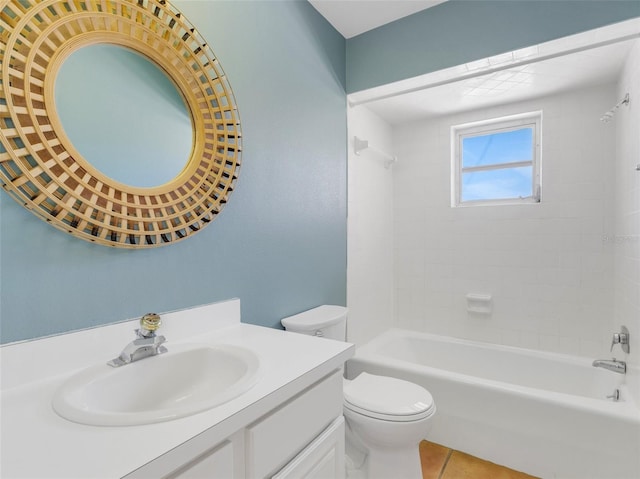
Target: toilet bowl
[(386, 418)]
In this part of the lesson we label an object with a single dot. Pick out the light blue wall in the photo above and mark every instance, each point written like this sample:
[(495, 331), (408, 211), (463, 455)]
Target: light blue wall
[(459, 31), (279, 244)]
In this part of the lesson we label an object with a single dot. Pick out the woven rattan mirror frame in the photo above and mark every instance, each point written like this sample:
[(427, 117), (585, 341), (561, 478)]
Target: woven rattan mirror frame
[(40, 168)]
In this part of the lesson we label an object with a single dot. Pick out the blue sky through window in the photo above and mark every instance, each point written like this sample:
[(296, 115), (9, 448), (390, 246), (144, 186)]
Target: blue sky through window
[(498, 148), (501, 147)]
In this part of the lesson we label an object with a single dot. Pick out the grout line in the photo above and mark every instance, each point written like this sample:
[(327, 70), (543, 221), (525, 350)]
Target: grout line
[(444, 466)]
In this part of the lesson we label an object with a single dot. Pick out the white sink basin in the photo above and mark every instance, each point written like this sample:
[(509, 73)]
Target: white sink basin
[(188, 379)]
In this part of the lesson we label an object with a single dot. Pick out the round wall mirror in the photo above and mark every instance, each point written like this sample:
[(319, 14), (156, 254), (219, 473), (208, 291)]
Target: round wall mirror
[(57, 178), (123, 115)]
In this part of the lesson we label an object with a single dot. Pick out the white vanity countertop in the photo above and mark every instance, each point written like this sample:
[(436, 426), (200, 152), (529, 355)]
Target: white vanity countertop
[(37, 443)]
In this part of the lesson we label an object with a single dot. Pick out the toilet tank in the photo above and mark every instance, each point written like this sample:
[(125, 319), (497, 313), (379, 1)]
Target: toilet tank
[(327, 321)]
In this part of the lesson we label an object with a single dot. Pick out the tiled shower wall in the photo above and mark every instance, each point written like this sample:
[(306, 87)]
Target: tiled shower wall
[(626, 238), (547, 266), (369, 229)]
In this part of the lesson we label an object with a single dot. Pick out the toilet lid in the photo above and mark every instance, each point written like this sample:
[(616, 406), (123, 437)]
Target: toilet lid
[(387, 398)]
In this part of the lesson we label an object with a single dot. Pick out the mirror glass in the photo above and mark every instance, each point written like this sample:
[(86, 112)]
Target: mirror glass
[(124, 115)]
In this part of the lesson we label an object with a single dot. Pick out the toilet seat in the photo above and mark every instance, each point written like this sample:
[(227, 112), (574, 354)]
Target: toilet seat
[(386, 398)]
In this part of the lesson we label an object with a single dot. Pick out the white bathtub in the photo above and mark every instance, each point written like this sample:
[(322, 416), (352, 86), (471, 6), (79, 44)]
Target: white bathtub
[(542, 413)]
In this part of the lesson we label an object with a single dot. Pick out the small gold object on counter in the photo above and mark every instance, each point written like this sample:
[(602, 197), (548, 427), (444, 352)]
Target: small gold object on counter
[(150, 321)]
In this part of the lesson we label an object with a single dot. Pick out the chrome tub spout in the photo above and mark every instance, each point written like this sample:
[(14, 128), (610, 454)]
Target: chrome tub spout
[(614, 365)]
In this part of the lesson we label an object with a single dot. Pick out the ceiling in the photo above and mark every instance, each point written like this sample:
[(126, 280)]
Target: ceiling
[(513, 84), (353, 17)]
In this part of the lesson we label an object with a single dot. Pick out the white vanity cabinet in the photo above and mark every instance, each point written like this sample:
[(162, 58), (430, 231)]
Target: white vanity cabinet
[(301, 438), (288, 424)]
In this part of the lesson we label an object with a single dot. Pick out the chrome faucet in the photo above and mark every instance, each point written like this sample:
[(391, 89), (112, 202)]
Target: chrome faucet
[(147, 343), (614, 365)]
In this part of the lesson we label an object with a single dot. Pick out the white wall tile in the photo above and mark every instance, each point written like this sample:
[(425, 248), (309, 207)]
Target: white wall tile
[(546, 265), (370, 223), (624, 239)]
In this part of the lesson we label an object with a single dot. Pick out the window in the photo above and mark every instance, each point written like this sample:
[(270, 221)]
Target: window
[(497, 161)]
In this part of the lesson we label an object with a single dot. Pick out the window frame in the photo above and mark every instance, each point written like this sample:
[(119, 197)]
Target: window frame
[(487, 127)]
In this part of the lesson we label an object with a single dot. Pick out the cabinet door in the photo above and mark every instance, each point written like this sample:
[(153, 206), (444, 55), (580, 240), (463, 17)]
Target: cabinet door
[(322, 459), (216, 464), (274, 440)]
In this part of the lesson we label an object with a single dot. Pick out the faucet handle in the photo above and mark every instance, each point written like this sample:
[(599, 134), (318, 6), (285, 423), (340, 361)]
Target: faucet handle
[(615, 339), (621, 338), (150, 322)]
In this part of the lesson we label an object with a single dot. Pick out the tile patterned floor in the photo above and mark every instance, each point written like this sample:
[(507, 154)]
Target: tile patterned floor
[(440, 462)]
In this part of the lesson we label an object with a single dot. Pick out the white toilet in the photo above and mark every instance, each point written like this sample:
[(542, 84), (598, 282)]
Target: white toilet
[(386, 417)]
